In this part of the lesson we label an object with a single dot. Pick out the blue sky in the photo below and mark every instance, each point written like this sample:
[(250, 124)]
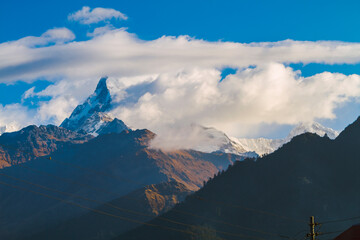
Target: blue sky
[(210, 20), (241, 21)]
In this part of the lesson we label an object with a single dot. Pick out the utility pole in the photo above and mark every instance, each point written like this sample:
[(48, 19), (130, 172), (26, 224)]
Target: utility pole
[(312, 225)]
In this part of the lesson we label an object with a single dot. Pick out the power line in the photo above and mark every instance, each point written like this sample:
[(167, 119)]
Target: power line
[(123, 209), (249, 209), (302, 231), (98, 172), (97, 211), (67, 180), (201, 198), (237, 226), (328, 233), (342, 220), (131, 181), (232, 225)]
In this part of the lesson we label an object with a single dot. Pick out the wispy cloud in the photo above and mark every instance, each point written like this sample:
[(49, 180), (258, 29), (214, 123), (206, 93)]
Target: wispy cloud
[(15, 116), (96, 15), (55, 35), (120, 53)]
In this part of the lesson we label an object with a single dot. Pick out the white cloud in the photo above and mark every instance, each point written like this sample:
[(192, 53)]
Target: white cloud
[(55, 35), (15, 116), (57, 109), (59, 35), (269, 94), (172, 82), (118, 53), (29, 93), (88, 16), (101, 31)]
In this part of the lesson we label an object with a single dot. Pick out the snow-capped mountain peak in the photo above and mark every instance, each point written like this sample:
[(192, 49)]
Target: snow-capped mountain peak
[(259, 145), (313, 127), (265, 146), (212, 140), (91, 116)]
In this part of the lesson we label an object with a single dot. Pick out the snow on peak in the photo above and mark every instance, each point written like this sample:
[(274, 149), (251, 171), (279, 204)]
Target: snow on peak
[(260, 146), (213, 140), (265, 146), (313, 127), (92, 116)]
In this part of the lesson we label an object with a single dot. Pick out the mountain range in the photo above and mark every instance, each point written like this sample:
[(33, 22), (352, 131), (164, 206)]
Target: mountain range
[(274, 196)]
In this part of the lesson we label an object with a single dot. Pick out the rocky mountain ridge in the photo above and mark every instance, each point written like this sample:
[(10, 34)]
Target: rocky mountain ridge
[(32, 142)]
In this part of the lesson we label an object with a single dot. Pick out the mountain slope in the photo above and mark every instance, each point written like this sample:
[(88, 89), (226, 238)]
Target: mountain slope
[(115, 164), (32, 142), (309, 176), (142, 204)]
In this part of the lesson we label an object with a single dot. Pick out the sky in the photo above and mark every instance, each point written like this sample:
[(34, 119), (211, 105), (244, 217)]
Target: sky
[(249, 68)]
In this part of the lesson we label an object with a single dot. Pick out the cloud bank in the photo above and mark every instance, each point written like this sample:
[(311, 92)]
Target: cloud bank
[(272, 93), (173, 82)]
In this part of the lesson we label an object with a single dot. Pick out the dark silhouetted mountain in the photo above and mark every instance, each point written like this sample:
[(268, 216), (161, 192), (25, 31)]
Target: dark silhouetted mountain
[(349, 138), (276, 194), (32, 142), (104, 168), (142, 205)]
